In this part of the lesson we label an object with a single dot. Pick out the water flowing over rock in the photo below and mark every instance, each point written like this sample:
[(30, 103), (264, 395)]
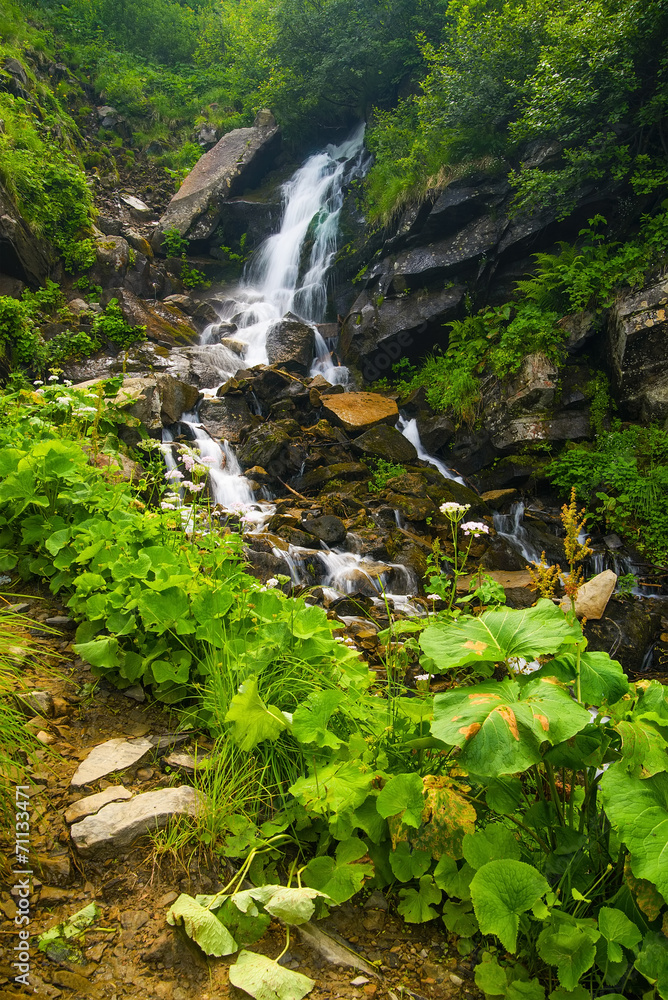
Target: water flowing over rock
[(386, 442), (290, 344), (237, 161)]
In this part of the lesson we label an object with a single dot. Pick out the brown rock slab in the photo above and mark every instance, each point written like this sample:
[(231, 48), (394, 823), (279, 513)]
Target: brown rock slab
[(507, 578), (91, 804), (359, 411), (497, 499)]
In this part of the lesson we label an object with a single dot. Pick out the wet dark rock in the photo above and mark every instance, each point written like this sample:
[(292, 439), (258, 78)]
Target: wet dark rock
[(328, 528), (269, 383), (164, 321), (290, 344), (16, 81), (112, 259), (320, 476), (227, 418), (264, 565), (626, 631), (637, 331), (387, 443), (263, 445)]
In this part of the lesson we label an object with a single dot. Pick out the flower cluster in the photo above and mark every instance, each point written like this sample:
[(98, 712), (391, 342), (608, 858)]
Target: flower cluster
[(454, 511), (474, 528)]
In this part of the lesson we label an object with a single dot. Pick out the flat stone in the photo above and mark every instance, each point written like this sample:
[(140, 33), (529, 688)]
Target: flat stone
[(114, 755), (358, 411), (61, 621), (593, 596), (136, 204), (387, 443), (497, 499), (507, 578), (91, 804), (117, 825), (136, 693), (51, 895)]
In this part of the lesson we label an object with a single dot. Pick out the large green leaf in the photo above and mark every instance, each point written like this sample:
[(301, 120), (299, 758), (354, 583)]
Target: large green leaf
[(333, 788), (501, 726), (601, 678), (652, 962), (253, 720), (403, 794), (293, 905), (510, 983), (644, 750), (638, 809), (416, 904), (453, 880), (407, 864), (459, 918), (497, 636), (265, 979), (501, 891), (617, 930), (309, 722), (493, 843), (571, 947), (202, 926), (342, 876)]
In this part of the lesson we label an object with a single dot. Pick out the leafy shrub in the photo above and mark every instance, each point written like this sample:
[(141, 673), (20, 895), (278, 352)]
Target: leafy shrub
[(383, 472), (112, 325), (623, 479)]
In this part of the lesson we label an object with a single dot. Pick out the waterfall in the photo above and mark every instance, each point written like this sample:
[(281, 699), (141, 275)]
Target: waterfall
[(510, 527), (277, 282), (409, 429)]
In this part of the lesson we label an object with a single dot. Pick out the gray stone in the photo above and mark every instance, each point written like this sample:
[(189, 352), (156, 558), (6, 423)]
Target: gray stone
[(637, 331), (116, 826), (263, 445), (113, 755), (92, 804), (593, 596), (112, 259), (290, 344), (239, 159), (61, 621), (24, 256), (139, 207), (136, 693)]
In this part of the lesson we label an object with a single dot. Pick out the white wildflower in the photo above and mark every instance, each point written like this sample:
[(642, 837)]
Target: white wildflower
[(68, 382), (433, 597), (38, 382), (166, 506), (474, 528), (53, 378), (422, 677), (454, 511), (173, 474), (272, 582)]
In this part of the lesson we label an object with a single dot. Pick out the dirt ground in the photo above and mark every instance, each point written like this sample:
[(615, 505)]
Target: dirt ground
[(130, 951)]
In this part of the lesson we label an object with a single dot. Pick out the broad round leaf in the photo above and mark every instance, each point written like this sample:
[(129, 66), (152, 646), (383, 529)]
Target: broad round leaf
[(501, 891), (501, 726), (638, 809), (293, 906), (264, 979), (403, 794), (415, 906), (202, 926), (572, 948), (493, 843), (253, 720), (497, 636)]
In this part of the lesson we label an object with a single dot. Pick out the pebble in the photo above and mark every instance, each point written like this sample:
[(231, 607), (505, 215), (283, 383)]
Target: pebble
[(91, 804), (136, 692), (359, 981), (456, 980), (168, 898), (60, 621)]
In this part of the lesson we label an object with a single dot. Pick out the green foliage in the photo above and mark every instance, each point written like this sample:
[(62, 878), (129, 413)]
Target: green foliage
[(623, 479), (581, 277), (384, 471), (590, 78), (111, 325), (174, 243)]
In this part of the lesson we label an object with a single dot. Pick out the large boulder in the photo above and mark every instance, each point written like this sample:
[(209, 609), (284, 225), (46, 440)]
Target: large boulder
[(379, 330), (263, 445), (236, 162), (227, 417), (154, 400), (165, 323), (386, 442), (112, 256), (358, 411), (290, 344), (637, 332)]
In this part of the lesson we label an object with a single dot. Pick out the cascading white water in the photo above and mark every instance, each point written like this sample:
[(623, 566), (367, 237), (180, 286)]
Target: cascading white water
[(229, 487), (274, 284), (510, 527), (409, 429)]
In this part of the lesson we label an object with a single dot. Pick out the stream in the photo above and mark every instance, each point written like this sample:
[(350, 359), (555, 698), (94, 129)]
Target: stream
[(282, 280)]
